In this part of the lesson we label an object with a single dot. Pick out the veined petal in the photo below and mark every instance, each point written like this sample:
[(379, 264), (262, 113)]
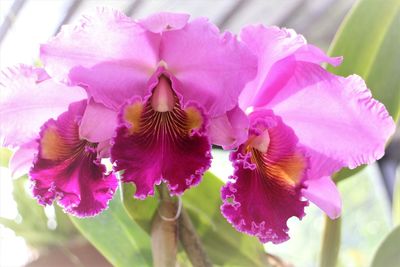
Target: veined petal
[(276, 50), (108, 53), (230, 129), (336, 118), (67, 168), (211, 67), (164, 21), (151, 146), (269, 172), (98, 123), (28, 99)]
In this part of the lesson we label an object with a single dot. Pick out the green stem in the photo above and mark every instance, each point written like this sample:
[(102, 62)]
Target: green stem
[(331, 242), (191, 242), (164, 230)]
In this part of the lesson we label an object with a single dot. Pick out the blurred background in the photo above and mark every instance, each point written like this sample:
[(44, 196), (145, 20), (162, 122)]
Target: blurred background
[(35, 236)]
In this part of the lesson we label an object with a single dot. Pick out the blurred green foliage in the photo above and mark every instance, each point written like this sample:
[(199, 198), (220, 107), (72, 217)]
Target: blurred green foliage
[(388, 252), (120, 240), (32, 223), (396, 201)]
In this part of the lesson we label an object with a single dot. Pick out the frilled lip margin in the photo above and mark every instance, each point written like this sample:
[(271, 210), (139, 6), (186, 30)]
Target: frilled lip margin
[(265, 189), (67, 168)]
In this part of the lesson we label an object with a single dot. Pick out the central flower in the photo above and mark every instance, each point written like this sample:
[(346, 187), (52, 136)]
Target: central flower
[(169, 86), (159, 140)]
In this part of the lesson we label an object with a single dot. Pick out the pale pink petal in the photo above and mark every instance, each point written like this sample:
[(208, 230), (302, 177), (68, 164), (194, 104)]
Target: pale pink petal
[(212, 68), (164, 21), (336, 118), (108, 53), (230, 129), (22, 159), (324, 193), (28, 99), (273, 45), (98, 123)]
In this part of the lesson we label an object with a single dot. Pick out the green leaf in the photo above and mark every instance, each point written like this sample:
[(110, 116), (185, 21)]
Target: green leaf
[(388, 252), (5, 155), (141, 211), (120, 240), (396, 200), (369, 41), (223, 244)]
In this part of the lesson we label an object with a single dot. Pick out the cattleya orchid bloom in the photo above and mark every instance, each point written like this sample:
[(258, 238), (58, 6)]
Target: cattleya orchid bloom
[(159, 90), (161, 82), (305, 125), (40, 117)]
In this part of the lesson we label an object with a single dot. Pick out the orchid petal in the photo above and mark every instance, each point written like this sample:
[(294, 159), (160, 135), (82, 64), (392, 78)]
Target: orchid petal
[(269, 172), (230, 129), (336, 118), (272, 45), (108, 53), (67, 168), (152, 146), (98, 123), (28, 99), (22, 159), (211, 67), (324, 193), (164, 21)]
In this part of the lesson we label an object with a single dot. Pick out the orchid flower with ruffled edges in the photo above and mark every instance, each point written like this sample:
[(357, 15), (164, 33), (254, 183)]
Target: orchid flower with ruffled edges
[(169, 86), (305, 125), (40, 119)]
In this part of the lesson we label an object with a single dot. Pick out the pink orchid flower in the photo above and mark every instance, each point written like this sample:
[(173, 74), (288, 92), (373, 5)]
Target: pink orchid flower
[(305, 125), (40, 118), (159, 90)]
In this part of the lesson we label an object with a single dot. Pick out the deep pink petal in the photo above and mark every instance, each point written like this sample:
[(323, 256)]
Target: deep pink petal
[(108, 53), (336, 118), (230, 129), (211, 67), (267, 182), (28, 99), (272, 45), (164, 21), (98, 123), (153, 146), (324, 193), (22, 159), (68, 170)]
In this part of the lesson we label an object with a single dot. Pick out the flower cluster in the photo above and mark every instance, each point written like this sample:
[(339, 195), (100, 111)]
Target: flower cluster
[(154, 94)]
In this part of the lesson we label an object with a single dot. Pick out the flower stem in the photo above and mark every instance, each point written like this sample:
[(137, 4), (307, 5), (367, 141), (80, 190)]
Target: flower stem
[(191, 242), (164, 229), (331, 242)]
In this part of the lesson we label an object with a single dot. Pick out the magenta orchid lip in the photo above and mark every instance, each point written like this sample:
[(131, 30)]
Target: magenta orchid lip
[(154, 94)]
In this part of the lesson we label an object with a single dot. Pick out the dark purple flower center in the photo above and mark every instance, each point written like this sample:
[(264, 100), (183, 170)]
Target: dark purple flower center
[(159, 140)]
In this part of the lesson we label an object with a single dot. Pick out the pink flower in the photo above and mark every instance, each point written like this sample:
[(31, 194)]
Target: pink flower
[(166, 84), (305, 125), (65, 167)]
